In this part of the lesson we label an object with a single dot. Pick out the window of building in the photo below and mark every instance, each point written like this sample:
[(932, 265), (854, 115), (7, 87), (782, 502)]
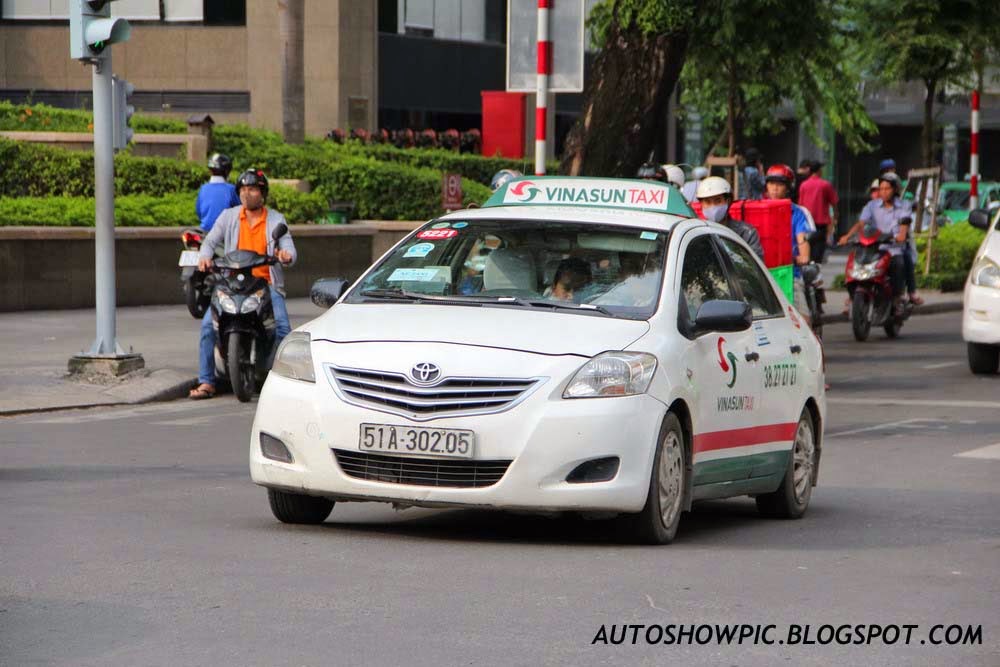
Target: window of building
[(388, 15), (34, 10), (225, 12)]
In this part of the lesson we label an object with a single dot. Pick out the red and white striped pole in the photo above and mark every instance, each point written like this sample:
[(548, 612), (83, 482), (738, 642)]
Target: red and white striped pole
[(974, 154), (542, 88)]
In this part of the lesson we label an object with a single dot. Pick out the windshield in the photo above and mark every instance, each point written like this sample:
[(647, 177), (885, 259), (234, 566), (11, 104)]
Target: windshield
[(568, 267), (954, 199)]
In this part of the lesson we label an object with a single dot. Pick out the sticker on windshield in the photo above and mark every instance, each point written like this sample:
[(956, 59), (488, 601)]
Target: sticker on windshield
[(437, 234), (648, 236), (441, 225), (419, 250), (460, 225), (416, 275)]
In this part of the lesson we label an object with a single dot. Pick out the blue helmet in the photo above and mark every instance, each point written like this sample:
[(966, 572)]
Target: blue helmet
[(887, 163), (503, 177)]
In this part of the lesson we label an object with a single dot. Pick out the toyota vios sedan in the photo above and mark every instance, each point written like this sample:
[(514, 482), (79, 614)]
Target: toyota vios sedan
[(981, 305), (579, 345)]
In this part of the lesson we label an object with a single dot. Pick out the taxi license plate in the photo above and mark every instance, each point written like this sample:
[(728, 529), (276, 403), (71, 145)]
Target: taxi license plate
[(417, 440), (188, 258)]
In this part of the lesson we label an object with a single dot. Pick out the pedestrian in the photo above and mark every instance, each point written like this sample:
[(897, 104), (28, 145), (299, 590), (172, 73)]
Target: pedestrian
[(802, 173), (818, 196), (715, 195), (753, 175), (218, 194), (246, 227)]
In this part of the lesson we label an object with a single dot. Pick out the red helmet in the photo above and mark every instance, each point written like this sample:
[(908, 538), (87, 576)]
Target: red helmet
[(781, 173)]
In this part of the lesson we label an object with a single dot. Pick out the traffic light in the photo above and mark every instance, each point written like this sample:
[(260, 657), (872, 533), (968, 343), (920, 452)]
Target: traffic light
[(92, 30), (121, 111)]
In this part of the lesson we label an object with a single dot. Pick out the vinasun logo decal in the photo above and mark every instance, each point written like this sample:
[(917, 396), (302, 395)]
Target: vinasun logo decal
[(518, 190), (725, 366)]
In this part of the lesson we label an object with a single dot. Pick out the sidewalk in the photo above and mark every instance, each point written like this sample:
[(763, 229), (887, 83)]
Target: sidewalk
[(37, 345)]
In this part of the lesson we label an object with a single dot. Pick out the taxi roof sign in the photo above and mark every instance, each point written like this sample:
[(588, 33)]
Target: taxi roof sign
[(618, 193)]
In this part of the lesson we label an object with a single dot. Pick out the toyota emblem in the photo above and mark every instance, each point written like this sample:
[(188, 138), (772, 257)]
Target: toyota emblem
[(425, 373)]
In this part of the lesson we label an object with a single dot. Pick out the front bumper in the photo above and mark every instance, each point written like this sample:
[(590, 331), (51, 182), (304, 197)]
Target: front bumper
[(981, 315), (544, 436)]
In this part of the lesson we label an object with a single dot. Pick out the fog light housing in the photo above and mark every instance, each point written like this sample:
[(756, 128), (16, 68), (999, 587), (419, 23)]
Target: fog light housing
[(274, 449), (595, 470)]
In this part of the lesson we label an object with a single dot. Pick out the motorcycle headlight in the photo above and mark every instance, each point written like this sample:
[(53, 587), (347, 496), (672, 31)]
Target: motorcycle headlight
[(613, 374), (294, 358), (250, 304), (226, 303), (986, 273)]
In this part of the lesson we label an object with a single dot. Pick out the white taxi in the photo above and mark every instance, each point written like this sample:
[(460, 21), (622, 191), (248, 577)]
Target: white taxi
[(576, 344), (981, 302)]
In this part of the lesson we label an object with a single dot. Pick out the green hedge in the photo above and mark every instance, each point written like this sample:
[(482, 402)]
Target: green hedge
[(953, 250), (36, 170), (43, 118)]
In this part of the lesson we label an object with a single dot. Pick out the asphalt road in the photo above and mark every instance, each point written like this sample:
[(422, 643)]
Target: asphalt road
[(133, 536)]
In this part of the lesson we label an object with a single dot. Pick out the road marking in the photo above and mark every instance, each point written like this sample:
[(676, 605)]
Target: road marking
[(888, 426), (988, 452), (913, 403), (930, 367)]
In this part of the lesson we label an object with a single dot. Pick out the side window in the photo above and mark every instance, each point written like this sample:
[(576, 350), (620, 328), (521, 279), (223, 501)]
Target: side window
[(751, 279), (702, 276)]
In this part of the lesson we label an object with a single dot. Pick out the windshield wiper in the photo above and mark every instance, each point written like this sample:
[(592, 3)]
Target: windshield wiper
[(396, 293), (556, 305)]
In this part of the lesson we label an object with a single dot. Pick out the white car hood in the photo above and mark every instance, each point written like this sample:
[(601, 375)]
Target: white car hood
[(538, 331)]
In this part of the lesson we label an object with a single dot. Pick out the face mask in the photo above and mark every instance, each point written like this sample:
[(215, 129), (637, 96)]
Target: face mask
[(715, 213)]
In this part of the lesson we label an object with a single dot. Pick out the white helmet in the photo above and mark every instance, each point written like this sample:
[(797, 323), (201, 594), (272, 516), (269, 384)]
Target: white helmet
[(699, 173), (712, 186), (675, 175)]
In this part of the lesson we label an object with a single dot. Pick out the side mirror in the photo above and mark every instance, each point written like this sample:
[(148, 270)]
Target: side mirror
[(327, 291), (980, 218), (279, 231), (724, 315)]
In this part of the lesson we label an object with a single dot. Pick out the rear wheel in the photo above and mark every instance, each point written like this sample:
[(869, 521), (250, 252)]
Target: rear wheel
[(791, 499), (984, 359), (297, 508), (196, 304), (241, 372), (657, 522), (861, 315)]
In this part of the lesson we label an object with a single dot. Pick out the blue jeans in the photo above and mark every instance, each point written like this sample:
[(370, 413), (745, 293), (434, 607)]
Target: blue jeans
[(206, 350)]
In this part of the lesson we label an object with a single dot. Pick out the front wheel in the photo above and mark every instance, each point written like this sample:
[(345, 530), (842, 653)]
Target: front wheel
[(657, 522), (983, 359), (196, 303), (239, 366), (861, 315), (297, 508), (791, 499)]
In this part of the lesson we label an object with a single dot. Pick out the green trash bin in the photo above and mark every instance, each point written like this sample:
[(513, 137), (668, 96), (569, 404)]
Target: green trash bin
[(339, 213)]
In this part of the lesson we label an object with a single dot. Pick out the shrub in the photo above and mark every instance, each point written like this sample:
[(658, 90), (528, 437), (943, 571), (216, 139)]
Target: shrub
[(43, 118), (953, 250), (130, 211), (297, 207)]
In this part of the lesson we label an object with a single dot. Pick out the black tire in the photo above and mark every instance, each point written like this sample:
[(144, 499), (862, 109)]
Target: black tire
[(791, 499), (892, 327), (861, 316), (241, 372), (984, 359), (296, 508), (196, 305), (650, 526)]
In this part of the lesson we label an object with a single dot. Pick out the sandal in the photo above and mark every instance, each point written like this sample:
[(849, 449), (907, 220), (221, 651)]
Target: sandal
[(201, 392), (916, 300)]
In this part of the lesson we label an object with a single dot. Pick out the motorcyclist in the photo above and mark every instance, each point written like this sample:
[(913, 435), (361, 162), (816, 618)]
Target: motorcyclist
[(891, 215), (778, 185), (715, 195), (650, 172), (673, 174), (218, 194), (690, 187), (503, 177), (246, 227)]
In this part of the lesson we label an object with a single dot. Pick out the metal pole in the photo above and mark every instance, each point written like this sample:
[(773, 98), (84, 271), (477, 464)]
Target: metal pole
[(974, 154), (544, 68), (104, 221)]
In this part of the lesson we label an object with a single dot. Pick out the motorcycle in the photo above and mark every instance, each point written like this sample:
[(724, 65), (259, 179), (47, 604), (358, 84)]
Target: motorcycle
[(197, 291), (869, 284), (243, 317), (812, 282)]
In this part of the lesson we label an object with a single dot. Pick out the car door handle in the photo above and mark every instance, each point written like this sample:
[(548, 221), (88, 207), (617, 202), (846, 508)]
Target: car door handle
[(796, 349), (752, 356)]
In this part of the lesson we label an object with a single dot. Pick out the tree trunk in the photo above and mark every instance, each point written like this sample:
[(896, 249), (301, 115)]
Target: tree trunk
[(927, 137), (731, 115), (291, 28), (625, 101)]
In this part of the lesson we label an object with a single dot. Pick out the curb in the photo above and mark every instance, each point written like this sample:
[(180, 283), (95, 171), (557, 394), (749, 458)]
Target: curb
[(927, 309), (169, 386)]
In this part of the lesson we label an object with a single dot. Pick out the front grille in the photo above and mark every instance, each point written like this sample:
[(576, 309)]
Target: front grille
[(396, 394), (421, 471)]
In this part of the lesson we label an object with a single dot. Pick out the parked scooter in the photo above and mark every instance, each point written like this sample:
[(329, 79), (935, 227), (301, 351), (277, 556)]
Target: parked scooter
[(197, 291), (869, 284), (243, 317)]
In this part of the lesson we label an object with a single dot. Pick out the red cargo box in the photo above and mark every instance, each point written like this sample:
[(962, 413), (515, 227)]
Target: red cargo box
[(772, 219), (503, 124)]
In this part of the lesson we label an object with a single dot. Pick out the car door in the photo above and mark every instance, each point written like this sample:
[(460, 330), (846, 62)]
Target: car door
[(778, 340), (724, 377)]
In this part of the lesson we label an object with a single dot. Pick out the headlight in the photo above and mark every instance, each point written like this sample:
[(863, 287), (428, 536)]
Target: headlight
[(613, 374), (294, 358), (865, 271), (226, 303), (250, 304), (986, 273)]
